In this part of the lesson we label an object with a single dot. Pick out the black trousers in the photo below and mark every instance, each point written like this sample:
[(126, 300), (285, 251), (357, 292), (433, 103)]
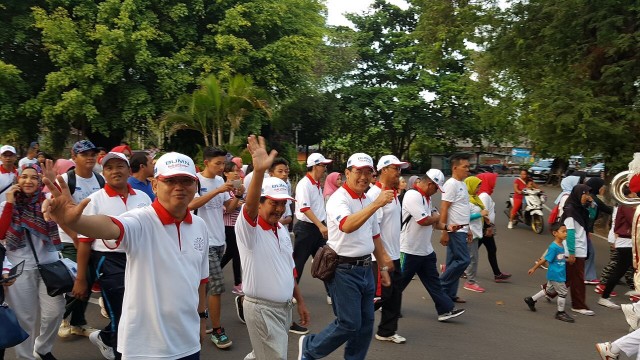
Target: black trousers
[(391, 299), (232, 253), (490, 243), (308, 240), (76, 307), (110, 266), (625, 260)]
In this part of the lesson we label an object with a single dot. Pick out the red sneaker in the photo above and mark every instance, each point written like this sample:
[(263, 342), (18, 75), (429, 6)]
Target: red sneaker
[(599, 289)]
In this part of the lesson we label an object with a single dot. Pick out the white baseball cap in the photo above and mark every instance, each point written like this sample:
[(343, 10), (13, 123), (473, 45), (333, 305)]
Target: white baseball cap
[(275, 189), (437, 177), (317, 158), (174, 164), (114, 155), (360, 160), (391, 160), (8, 148)]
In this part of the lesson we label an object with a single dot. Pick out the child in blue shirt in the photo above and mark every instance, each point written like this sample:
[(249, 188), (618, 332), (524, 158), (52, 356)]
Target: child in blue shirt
[(556, 273)]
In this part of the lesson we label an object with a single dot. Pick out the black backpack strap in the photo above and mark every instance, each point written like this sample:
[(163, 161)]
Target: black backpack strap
[(195, 212), (406, 221), (100, 179), (71, 181)]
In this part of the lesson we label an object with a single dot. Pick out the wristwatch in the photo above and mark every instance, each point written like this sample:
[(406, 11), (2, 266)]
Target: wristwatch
[(384, 268), (204, 314)]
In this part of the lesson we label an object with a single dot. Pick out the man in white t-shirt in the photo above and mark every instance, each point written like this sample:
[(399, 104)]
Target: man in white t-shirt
[(32, 152), (116, 198), (388, 217), (353, 234), (214, 197), (418, 221), (8, 172), (86, 183), (267, 264), (164, 306), (455, 210)]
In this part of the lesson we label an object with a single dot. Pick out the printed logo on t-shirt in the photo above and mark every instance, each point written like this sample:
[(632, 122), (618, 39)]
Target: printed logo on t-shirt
[(198, 244)]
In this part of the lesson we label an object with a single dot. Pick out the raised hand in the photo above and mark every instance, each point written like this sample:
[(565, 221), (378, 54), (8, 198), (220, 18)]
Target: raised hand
[(261, 159), (61, 208), (47, 170), (385, 197)]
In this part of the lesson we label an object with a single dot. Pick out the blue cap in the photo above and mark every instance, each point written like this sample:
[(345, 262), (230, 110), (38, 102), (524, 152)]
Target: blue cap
[(82, 146)]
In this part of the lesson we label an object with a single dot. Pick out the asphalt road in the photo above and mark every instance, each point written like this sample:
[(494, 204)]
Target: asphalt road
[(497, 324)]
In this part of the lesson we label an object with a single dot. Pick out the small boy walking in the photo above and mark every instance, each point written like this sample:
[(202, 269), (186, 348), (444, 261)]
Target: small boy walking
[(556, 274)]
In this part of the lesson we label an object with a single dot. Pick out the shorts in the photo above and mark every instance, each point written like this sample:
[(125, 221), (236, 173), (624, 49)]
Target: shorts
[(215, 286), (559, 287)]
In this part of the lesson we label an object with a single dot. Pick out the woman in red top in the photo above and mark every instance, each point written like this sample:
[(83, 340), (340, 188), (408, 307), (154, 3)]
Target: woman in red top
[(518, 185)]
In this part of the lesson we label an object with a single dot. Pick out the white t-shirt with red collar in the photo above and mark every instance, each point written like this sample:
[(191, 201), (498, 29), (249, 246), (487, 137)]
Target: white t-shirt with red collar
[(107, 201), (309, 197), (166, 263), (212, 212), (266, 255), (388, 218), (415, 239), (341, 204), (7, 178)]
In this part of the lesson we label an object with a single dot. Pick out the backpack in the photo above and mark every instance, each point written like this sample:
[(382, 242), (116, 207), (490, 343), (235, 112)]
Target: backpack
[(553, 216), (71, 180), (405, 221)]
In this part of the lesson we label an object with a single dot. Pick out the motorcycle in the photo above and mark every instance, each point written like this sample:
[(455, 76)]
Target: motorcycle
[(530, 212)]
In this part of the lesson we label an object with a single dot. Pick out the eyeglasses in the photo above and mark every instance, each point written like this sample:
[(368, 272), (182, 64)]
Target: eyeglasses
[(183, 181)]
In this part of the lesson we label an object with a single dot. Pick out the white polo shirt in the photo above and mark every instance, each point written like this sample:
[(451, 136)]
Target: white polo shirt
[(247, 179), (266, 255), (25, 160), (7, 179), (166, 263), (84, 188), (341, 204), (389, 221), (415, 239), (309, 197), (213, 210), (108, 202), (456, 193)]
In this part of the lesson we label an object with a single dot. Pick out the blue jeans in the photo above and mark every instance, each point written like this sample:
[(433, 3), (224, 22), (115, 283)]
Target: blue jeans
[(457, 261), (425, 267), (352, 293)]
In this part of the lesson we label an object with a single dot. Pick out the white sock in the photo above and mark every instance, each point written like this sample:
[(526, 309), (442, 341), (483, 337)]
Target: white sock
[(539, 295), (561, 302), (615, 349)]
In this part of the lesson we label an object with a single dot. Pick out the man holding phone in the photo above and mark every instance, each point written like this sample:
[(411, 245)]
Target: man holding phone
[(210, 203), (455, 216)]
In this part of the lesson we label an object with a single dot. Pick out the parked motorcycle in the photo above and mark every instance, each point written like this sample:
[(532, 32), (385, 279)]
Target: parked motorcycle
[(530, 212)]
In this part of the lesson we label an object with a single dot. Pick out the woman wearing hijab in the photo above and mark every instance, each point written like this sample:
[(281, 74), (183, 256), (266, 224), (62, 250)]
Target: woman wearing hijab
[(488, 183), (576, 218), (566, 185), (21, 221), (331, 184), (597, 188), (479, 216)]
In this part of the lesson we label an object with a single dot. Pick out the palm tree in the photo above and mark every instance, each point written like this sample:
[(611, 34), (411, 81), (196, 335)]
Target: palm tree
[(242, 98), (200, 111)]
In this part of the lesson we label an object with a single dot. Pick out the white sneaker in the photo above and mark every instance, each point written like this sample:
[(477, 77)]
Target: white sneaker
[(586, 312), (84, 330), (608, 303), (395, 338), (64, 331), (604, 349), (107, 351), (103, 310), (329, 301), (293, 300), (510, 225), (630, 315)]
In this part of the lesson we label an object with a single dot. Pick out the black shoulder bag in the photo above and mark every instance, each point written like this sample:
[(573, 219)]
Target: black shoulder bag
[(55, 275)]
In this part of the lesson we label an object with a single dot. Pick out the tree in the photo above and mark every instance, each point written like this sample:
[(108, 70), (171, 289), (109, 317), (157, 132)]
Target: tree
[(214, 107), (572, 67)]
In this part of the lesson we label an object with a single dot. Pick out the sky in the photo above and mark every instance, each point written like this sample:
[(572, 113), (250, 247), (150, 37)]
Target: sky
[(338, 7)]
